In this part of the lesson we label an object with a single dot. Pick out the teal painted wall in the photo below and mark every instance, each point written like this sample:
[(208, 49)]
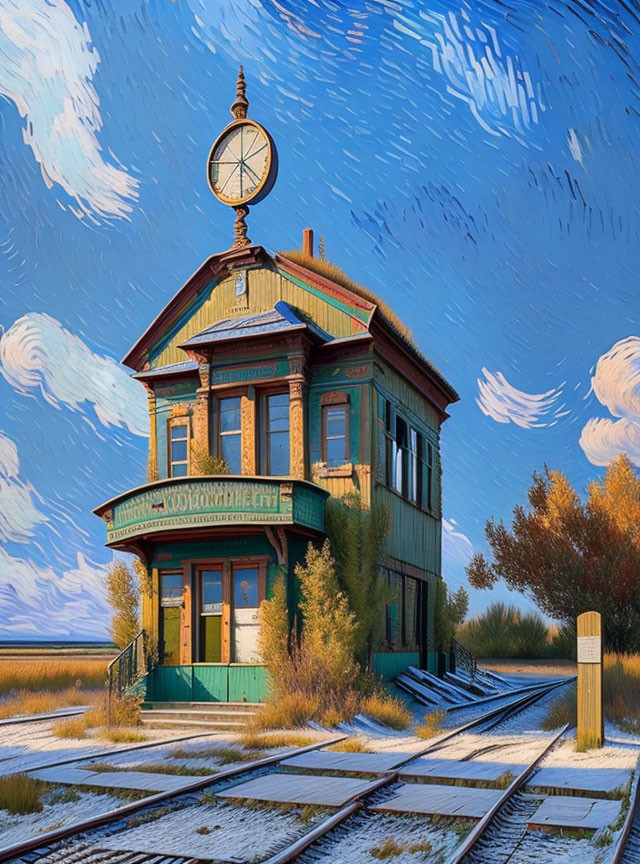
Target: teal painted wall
[(387, 665), (207, 683)]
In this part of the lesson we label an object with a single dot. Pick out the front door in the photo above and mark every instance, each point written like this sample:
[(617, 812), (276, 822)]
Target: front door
[(245, 623), (171, 605)]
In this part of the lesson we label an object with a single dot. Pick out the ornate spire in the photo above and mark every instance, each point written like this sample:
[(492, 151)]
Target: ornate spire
[(239, 107)]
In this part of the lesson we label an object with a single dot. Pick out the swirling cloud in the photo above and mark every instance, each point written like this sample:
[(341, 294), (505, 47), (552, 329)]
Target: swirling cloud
[(19, 514), (616, 384), (47, 63), (505, 404), (457, 549), (37, 601), (37, 352)]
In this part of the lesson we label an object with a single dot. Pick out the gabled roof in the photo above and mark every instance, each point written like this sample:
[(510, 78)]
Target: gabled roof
[(283, 318)]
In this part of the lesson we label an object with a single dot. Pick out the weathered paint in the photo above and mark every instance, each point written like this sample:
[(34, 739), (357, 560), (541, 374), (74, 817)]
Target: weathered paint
[(388, 664)]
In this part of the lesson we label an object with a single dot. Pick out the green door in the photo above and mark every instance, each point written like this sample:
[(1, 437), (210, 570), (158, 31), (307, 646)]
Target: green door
[(210, 615)]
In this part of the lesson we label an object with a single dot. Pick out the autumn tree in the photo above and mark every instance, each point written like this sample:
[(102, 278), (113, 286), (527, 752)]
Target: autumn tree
[(570, 556), (122, 593), (357, 536)]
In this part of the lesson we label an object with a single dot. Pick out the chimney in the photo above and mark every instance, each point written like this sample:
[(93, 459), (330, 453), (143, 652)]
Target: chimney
[(307, 242)]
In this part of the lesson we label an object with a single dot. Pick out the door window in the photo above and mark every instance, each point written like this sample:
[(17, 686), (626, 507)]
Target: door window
[(211, 615)]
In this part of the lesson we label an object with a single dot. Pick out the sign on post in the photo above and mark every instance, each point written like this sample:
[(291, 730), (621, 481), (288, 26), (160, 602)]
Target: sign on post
[(590, 716)]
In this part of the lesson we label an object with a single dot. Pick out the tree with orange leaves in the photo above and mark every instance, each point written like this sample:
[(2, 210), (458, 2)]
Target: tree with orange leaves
[(570, 556)]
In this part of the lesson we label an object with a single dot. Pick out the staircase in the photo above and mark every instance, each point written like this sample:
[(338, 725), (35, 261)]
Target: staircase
[(205, 716)]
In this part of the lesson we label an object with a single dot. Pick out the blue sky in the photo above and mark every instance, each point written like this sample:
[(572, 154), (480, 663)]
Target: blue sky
[(470, 162)]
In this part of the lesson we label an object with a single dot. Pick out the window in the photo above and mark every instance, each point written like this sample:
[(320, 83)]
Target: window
[(400, 461), (275, 445), (179, 450), (211, 588), (171, 588), (335, 434), (429, 490), (414, 480), (230, 434)]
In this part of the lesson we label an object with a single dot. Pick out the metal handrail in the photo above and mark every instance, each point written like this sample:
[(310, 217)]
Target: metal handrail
[(124, 670), (462, 657)]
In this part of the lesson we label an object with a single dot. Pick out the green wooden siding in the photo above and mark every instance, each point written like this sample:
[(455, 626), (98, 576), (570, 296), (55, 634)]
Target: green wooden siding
[(389, 664), (203, 682), (415, 536)]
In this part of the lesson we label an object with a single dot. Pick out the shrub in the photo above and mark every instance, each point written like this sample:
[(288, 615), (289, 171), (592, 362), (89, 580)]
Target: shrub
[(384, 707), (431, 725), (124, 712), (123, 598), (20, 794), (350, 745), (505, 631), (123, 736), (204, 463), (74, 727), (284, 712)]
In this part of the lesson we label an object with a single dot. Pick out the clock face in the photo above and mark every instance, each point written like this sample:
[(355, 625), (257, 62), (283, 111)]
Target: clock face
[(241, 164)]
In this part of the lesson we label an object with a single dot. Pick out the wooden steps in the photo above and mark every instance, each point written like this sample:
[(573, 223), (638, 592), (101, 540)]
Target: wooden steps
[(215, 716)]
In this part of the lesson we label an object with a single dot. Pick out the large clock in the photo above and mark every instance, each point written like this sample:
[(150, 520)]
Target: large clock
[(243, 163)]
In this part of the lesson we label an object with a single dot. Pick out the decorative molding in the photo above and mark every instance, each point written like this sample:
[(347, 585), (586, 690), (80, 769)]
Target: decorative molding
[(335, 397)]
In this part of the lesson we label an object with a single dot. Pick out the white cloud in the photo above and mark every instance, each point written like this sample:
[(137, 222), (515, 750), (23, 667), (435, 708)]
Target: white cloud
[(574, 147), (37, 602), (37, 352), (616, 384), (47, 64), (505, 404), (457, 549), (496, 86), (19, 514)]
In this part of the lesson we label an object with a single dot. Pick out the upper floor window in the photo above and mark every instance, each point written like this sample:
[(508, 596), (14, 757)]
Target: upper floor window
[(429, 483), (275, 441), (179, 450), (409, 459), (230, 434), (335, 428)]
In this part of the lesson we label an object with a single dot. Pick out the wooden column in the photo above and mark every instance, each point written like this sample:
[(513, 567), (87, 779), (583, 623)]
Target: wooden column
[(201, 411), (248, 426), (152, 466), (186, 653), (590, 716)]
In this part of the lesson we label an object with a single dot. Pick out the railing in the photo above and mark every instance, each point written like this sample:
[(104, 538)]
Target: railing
[(460, 657), (124, 670)]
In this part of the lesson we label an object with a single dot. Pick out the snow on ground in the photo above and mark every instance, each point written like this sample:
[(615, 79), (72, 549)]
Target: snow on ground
[(16, 829), (26, 746), (230, 832), (609, 756)]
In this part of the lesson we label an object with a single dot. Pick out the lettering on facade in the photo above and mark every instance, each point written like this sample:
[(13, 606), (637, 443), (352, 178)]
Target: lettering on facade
[(199, 503), (249, 373)]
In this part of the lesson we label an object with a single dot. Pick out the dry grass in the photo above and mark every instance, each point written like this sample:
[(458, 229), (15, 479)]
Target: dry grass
[(387, 709), (390, 848), (621, 696), (27, 702), (350, 745), (284, 712), (273, 740), (431, 725), (337, 275), (124, 713), (21, 794), (51, 675)]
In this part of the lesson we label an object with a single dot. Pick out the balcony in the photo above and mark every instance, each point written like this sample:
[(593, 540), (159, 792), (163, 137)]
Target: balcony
[(200, 503)]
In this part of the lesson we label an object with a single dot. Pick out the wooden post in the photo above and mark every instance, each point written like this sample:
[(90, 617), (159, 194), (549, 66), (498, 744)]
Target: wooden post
[(590, 717)]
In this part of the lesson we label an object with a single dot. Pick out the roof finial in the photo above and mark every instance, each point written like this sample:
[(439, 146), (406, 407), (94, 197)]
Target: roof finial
[(239, 107)]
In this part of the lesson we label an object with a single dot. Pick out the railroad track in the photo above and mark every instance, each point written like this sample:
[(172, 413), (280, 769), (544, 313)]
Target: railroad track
[(627, 849), (80, 842)]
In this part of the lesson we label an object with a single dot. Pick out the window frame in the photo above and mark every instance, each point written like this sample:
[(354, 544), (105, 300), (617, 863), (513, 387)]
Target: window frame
[(219, 434), (263, 433), (171, 601), (334, 401), (174, 423)]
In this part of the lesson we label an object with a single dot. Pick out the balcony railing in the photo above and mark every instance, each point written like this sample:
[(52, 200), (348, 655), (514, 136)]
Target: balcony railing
[(206, 502)]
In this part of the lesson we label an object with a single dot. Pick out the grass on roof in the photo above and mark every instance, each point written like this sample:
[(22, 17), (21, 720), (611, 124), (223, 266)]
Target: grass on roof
[(330, 271)]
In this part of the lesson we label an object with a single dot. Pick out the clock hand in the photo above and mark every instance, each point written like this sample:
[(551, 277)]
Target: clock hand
[(255, 152), (229, 177), (249, 146), (249, 168)]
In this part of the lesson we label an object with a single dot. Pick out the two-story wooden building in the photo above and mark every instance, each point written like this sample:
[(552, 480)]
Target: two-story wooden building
[(306, 386)]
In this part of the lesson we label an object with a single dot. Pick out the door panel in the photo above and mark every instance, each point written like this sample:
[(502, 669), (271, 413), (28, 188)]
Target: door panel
[(210, 593), (245, 623)]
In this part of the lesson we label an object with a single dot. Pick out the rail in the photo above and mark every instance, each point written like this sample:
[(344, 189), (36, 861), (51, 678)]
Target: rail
[(126, 669)]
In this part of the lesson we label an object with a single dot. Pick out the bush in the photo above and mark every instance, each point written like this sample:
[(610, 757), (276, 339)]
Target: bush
[(123, 597), (431, 725), (124, 712), (20, 794), (505, 631), (203, 463), (285, 712), (385, 708), (350, 745)]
